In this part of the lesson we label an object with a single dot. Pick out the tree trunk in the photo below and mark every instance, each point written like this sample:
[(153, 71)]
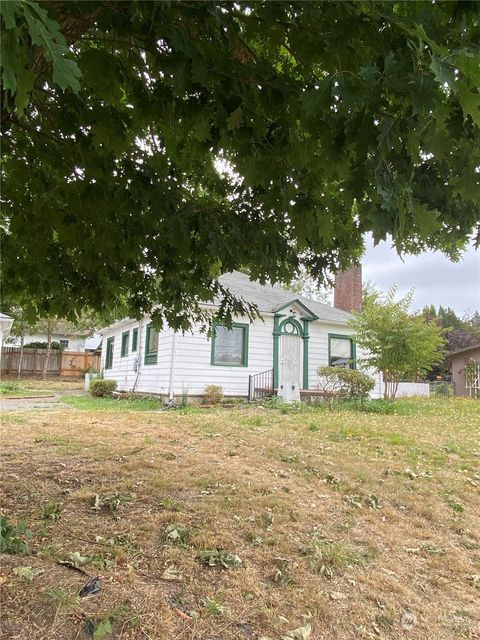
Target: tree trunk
[(385, 386), (45, 364), (20, 357)]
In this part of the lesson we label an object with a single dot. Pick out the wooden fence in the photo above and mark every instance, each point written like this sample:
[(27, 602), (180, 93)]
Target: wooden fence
[(60, 363)]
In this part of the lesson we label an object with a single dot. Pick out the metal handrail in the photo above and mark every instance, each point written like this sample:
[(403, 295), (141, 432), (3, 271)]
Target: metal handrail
[(260, 385)]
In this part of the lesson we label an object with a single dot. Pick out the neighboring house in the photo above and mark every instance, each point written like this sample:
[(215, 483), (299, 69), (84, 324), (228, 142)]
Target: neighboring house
[(459, 360), (291, 339), (77, 341), (5, 327)]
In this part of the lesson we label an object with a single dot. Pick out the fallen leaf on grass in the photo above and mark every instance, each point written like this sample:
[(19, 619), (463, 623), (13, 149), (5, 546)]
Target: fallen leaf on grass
[(77, 559), (171, 573), (27, 573), (408, 621), (302, 633)]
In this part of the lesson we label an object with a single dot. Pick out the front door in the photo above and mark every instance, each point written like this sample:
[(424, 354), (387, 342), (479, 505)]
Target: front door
[(289, 371)]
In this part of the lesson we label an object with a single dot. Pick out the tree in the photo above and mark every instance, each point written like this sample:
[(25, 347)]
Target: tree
[(459, 334), (48, 325), (304, 285), (150, 146), (400, 345), (20, 328)]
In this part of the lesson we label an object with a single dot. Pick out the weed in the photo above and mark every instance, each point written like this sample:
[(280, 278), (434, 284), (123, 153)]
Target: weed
[(13, 538), (52, 511), (456, 506), (283, 575), (112, 503), (220, 558), (329, 557), (169, 504), (289, 458), (176, 533), (105, 627), (213, 606)]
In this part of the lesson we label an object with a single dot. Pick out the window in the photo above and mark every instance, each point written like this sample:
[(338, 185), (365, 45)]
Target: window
[(64, 344), (125, 339), (341, 351), (134, 339), (230, 346), (151, 345), (109, 353)]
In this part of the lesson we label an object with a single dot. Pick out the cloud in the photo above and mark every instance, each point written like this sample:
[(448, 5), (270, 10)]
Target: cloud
[(435, 279)]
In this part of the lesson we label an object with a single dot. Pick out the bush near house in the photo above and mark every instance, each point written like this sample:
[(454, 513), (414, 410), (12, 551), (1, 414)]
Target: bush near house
[(102, 388), (348, 383), (213, 394)]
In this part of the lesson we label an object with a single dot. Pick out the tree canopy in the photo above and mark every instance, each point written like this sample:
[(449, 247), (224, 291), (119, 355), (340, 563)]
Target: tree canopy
[(149, 146)]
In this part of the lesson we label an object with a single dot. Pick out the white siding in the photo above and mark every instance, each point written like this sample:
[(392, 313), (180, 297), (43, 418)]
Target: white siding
[(148, 378), (194, 371)]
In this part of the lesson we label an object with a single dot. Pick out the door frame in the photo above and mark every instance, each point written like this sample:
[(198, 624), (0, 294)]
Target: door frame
[(283, 327)]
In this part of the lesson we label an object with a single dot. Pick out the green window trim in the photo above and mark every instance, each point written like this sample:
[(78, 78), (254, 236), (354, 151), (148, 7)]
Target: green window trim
[(109, 353), (151, 357), (134, 340), (353, 348), (234, 325), (125, 341)]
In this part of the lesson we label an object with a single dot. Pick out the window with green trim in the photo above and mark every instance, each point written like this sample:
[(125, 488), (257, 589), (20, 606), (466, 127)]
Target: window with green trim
[(230, 345), (151, 345), (341, 351), (134, 339), (109, 353), (125, 340)]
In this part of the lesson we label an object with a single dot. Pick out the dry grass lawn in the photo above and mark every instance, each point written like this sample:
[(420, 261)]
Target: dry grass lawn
[(352, 525), (10, 387)]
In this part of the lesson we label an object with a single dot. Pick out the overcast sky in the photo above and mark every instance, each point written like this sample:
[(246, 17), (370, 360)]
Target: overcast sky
[(436, 279)]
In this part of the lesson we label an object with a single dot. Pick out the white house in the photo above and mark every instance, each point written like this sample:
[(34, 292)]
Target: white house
[(291, 339)]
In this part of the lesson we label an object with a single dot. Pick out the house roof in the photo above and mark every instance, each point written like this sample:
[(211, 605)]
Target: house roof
[(269, 298), (464, 350)]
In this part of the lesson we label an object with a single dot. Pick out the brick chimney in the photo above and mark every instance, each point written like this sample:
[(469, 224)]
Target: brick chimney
[(348, 289)]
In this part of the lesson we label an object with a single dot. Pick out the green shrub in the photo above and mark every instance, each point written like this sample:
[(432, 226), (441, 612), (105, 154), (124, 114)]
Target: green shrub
[(102, 388), (43, 345), (356, 384), (350, 383), (213, 394)]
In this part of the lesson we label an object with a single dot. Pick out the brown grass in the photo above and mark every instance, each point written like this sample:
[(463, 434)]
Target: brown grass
[(348, 527)]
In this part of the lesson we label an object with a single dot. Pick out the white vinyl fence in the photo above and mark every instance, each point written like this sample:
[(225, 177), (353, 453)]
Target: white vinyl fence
[(413, 389)]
